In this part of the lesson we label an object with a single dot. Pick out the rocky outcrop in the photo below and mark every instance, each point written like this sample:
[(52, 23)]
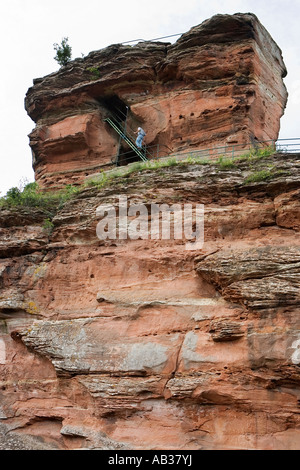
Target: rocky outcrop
[(142, 344), (263, 277), (220, 84)]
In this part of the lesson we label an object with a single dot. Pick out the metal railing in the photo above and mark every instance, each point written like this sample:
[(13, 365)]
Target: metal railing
[(158, 151), (288, 145), (129, 140), (236, 150), (119, 121), (152, 40), (120, 125), (153, 152), (162, 152)]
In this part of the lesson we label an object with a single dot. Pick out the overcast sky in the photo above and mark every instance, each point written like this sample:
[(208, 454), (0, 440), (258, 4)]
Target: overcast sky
[(29, 28)]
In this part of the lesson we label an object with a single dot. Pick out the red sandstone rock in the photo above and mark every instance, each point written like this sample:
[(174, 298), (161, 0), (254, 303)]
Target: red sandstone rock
[(140, 344), (220, 84)]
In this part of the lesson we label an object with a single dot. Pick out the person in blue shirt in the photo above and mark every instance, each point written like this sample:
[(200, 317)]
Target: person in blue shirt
[(140, 137)]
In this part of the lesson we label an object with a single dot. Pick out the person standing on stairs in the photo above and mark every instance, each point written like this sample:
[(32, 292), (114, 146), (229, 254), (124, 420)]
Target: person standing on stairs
[(140, 137)]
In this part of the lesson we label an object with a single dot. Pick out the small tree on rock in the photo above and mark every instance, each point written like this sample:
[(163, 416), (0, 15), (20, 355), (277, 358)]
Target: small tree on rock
[(63, 52)]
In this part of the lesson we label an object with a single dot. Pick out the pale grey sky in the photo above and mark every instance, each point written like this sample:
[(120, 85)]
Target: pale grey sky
[(29, 28)]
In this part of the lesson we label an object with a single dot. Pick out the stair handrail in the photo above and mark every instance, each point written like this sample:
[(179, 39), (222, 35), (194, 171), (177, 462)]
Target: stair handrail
[(127, 138)]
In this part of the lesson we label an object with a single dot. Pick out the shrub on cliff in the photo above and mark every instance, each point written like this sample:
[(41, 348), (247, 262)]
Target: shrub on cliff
[(63, 52), (32, 196)]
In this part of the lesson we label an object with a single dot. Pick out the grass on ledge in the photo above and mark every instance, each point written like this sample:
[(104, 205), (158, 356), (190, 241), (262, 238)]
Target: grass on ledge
[(252, 156), (106, 178), (257, 154), (264, 175), (51, 202), (258, 176), (222, 162)]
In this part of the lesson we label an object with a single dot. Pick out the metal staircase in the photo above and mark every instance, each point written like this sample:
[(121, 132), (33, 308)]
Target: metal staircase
[(125, 135)]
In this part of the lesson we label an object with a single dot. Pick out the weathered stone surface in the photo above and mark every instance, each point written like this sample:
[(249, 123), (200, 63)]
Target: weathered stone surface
[(21, 231), (88, 346), (287, 208), (219, 84), (225, 330), (10, 440), (125, 388), (142, 344), (263, 277)]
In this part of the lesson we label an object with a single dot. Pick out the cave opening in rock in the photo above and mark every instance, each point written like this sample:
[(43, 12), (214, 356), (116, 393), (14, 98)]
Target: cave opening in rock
[(116, 107), (118, 112), (127, 156)]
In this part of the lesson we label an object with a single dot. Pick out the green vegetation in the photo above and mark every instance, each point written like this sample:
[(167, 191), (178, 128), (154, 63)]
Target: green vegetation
[(252, 156), (32, 196), (52, 201), (261, 175), (48, 226), (224, 162), (63, 52), (191, 160), (95, 72), (256, 154), (135, 167)]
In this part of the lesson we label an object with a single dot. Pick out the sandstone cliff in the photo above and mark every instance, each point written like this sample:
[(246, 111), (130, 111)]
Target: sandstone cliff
[(219, 84), (141, 344)]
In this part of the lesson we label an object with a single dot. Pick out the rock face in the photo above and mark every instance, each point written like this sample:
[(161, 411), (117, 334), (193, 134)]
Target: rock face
[(220, 84), (142, 344)]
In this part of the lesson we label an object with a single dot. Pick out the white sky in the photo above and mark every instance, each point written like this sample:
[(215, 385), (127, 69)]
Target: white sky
[(29, 28)]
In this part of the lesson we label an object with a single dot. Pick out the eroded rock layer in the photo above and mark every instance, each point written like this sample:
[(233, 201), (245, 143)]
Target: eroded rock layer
[(220, 84), (142, 344)]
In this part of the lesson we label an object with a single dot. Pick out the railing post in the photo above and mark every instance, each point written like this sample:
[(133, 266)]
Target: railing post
[(125, 124)]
